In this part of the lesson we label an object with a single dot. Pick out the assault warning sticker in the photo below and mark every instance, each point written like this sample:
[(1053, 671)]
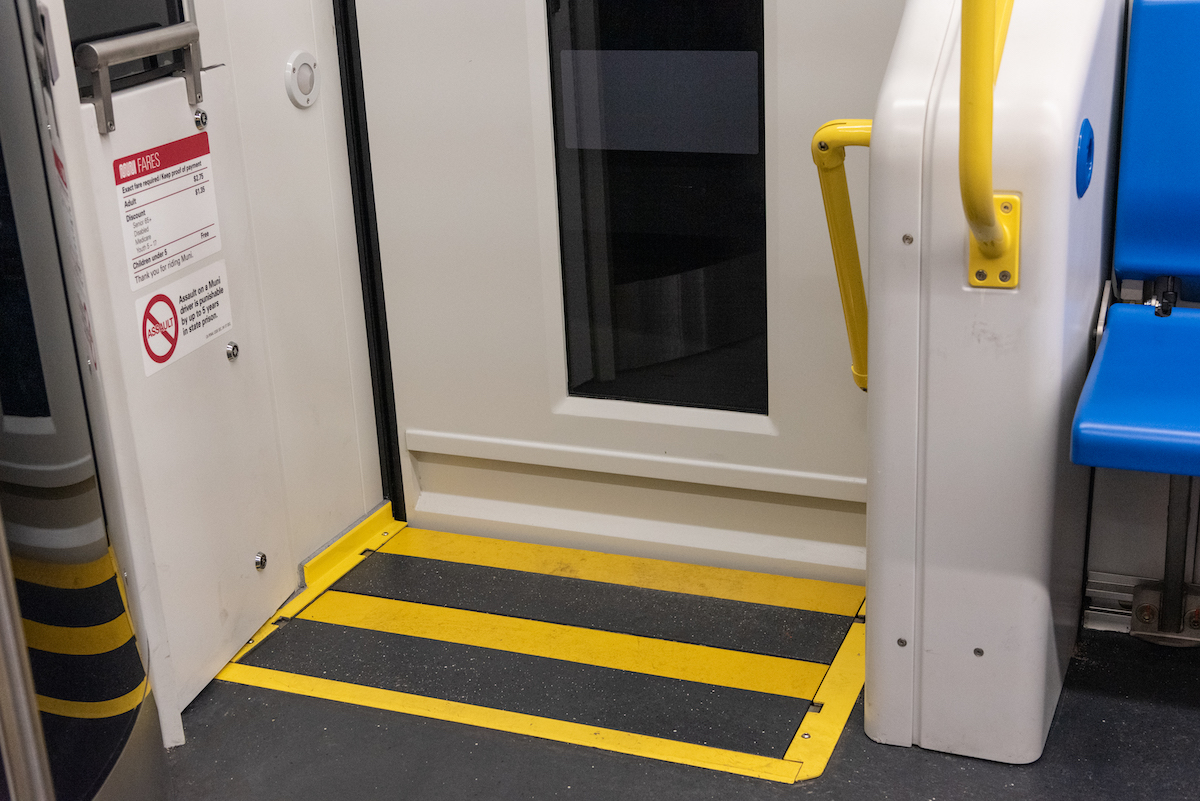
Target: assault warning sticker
[(183, 315), (168, 209)]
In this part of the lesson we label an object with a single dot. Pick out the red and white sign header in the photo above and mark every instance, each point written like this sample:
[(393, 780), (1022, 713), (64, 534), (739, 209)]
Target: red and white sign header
[(163, 157)]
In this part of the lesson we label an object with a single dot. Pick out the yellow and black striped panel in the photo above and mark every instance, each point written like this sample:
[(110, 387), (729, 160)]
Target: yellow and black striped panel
[(724, 669), (81, 644), (88, 674)]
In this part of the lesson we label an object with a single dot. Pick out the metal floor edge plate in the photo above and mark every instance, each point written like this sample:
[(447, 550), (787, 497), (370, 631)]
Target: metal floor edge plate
[(735, 711)]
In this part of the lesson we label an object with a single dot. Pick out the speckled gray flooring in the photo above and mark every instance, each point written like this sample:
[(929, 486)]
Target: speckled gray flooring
[(690, 712), (1127, 728), (699, 619)]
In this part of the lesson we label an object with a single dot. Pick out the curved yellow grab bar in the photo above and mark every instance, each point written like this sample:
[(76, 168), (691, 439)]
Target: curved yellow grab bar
[(995, 236), (829, 154)]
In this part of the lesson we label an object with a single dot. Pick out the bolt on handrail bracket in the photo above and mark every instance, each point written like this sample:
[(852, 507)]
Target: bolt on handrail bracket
[(994, 219), (829, 154), (96, 57)]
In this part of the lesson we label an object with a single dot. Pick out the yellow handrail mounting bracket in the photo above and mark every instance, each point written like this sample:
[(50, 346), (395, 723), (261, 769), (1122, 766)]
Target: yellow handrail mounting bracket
[(994, 219), (829, 154)]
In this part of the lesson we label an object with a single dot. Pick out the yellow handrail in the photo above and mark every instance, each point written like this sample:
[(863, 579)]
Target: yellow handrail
[(984, 29), (829, 154)]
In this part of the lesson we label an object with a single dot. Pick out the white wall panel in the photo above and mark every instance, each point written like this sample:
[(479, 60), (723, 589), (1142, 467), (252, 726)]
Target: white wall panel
[(458, 99)]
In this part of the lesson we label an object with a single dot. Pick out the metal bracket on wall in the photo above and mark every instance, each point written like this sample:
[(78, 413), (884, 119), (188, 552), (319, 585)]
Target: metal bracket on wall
[(1148, 613), (96, 57)]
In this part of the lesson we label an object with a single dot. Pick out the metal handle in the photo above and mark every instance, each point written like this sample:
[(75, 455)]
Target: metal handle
[(829, 154), (994, 237), (96, 57)]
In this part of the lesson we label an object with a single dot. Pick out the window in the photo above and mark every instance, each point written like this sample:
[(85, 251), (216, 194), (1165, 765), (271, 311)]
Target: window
[(659, 134)]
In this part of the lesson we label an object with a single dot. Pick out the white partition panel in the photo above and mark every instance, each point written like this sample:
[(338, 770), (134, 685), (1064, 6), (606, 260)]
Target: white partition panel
[(977, 518)]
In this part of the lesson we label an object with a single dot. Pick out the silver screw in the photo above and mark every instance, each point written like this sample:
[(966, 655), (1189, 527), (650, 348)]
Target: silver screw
[(907, 239), (1005, 208), (1005, 276), (201, 117), (978, 652), (805, 736), (260, 561), (822, 146), (1193, 619), (981, 275), (902, 642), (1146, 613), (231, 351)]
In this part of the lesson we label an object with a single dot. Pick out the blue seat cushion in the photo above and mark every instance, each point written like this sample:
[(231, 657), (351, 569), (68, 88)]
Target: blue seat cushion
[(1140, 407), (1158, 195)]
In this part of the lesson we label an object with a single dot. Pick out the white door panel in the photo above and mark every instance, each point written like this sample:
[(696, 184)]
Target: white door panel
[(207, 461), (201, 421), (461, 127)]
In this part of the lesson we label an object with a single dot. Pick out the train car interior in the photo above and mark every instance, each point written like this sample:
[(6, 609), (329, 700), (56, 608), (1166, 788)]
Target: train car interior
[(449, 400)]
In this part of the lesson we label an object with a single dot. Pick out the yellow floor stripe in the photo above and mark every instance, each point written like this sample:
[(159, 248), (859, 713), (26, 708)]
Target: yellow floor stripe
[(64, 576), (78, 641), (675, 660), (92, 710), (735, 585), (545, 728), (838, 694)]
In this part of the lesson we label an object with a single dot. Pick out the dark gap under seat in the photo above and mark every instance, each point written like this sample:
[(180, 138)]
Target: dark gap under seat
[(697, 619), (720, 717)]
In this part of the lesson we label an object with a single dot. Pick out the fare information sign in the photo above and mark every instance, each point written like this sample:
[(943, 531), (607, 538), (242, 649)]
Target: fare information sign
[(168, 208)]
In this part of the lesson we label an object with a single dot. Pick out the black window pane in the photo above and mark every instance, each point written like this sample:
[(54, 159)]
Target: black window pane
[(662, 199), (22, 385), (89, 20)]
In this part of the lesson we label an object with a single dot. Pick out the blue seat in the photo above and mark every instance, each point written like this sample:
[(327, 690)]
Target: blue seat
[(1158, 193), (1140, 408)]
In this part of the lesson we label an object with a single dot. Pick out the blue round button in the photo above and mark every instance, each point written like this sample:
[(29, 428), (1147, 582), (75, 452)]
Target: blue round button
[(1084, 158)]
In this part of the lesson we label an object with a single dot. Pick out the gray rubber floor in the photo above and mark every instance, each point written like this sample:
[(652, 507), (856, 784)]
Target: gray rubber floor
[(1127, 727)]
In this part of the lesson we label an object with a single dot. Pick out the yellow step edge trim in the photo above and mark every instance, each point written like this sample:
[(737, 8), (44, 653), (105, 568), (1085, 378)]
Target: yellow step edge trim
[(715, 582), (323, 570), (78, 641), (65, 576), (336, 560), (93, 710), (516, 723), (673, 660), (838, 694)]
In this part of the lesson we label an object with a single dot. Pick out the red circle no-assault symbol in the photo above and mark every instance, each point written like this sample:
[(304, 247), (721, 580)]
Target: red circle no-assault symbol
[(160, 328)]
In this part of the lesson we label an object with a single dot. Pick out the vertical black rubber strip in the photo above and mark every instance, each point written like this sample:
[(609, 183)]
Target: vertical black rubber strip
[(1179, 501), (354, 104)]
